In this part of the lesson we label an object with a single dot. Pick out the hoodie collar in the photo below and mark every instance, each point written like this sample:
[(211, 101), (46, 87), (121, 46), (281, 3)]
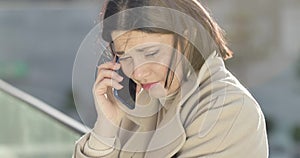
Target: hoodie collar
[(205, 76)]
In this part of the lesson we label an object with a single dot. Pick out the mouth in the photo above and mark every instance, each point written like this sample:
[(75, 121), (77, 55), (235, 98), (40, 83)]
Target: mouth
[(147, 86)]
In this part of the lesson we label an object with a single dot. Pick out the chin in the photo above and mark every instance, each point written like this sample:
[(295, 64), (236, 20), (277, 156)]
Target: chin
[(157, 91)]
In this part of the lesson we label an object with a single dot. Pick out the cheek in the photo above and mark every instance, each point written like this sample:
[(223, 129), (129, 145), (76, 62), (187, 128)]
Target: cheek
[(160, 70)]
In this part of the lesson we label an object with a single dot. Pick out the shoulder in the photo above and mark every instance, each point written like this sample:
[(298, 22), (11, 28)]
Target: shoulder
[(225, 95), (233, 121)]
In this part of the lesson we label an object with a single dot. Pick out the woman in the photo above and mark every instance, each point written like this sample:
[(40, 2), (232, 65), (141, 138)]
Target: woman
[(187, 103)]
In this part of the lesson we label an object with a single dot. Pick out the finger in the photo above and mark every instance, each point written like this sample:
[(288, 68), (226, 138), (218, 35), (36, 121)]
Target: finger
[(109, 65), (101, 75), (138, 89), (108, 74), (110, 95), (101, 88)]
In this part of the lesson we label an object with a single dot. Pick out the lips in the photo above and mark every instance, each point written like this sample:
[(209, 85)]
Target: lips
[(147, 86)]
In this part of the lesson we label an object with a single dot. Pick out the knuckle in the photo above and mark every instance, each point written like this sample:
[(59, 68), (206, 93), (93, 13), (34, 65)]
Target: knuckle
[(101, 91)]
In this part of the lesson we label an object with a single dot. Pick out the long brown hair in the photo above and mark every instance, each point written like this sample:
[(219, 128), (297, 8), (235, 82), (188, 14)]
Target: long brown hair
[(192, 8)]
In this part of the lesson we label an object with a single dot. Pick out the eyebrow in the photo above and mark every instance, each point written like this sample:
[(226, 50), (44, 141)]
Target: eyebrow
[(139, 49), (145, 48), (120, 53)]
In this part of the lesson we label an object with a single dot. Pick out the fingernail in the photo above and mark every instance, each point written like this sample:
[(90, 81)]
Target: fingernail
[(120, 86), (117, 66), (120, 78)]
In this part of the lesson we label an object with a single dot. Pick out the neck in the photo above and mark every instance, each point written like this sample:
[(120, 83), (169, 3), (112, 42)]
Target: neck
[(167, 100)]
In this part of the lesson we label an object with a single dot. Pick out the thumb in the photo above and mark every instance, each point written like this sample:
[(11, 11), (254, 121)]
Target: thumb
[(138, 89)]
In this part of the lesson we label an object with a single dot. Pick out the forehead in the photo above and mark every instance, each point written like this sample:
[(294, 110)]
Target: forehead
[(124, 40)]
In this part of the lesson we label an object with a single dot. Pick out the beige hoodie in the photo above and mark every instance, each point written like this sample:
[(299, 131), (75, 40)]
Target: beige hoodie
[(212, 115)]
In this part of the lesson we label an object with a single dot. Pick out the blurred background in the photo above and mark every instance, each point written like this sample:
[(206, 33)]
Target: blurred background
[(39, 40)]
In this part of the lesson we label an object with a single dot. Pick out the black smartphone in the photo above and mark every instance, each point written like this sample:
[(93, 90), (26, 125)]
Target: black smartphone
[(127, 94)]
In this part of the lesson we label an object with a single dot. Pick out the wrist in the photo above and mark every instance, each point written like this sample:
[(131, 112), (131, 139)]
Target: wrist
[(99, 143), (106, 128)]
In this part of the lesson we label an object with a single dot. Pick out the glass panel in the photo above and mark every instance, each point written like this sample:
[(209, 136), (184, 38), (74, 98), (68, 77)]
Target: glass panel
[(28, 133)]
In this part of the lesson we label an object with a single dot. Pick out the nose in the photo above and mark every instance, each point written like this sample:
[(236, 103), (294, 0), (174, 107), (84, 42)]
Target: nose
[(141, 73)]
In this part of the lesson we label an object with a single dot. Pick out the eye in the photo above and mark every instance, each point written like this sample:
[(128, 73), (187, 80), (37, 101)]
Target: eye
[(152, 53), (124, 58)]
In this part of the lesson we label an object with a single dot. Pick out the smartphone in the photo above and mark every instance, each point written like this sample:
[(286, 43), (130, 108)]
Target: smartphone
[(127, 94)]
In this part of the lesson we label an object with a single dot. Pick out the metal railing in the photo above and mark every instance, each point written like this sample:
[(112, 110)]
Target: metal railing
[(44, 108)]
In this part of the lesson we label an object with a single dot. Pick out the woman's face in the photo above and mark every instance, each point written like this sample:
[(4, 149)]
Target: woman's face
[(145, 58)]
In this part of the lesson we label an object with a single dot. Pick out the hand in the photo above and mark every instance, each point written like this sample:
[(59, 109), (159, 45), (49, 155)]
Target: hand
[(105, 102)]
